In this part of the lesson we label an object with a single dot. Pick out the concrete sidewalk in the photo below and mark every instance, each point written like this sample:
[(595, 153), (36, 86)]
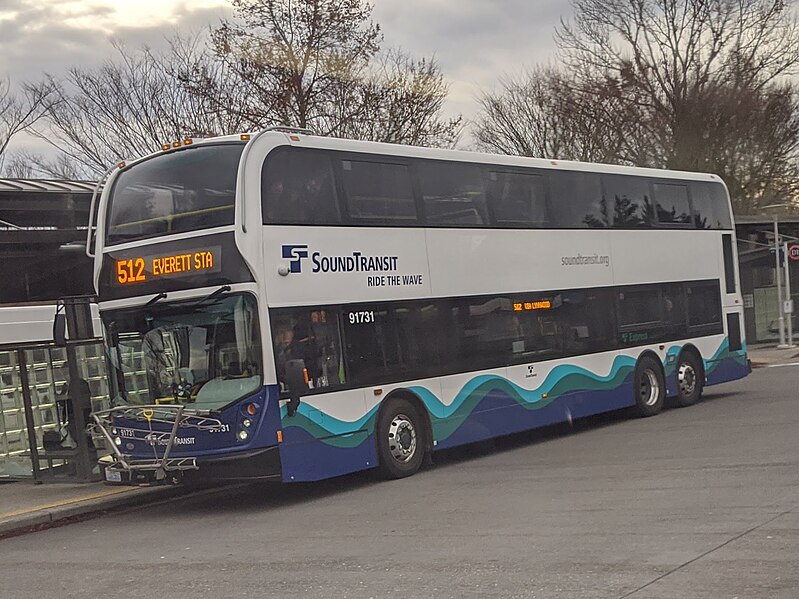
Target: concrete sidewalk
[(763, 355), (25, 506)]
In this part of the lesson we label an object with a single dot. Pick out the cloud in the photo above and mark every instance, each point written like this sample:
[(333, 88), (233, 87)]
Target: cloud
[(41, 37), (474, 41)]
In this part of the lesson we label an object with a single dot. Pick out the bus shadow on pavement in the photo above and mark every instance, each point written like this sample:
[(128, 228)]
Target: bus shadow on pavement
[(257, 496)]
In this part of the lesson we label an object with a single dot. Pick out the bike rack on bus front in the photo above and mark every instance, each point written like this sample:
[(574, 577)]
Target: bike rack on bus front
[(175, 415)]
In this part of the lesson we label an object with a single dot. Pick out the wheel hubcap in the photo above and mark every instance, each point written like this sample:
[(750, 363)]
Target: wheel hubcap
[(650, 388), (687, 378), (402, 438)]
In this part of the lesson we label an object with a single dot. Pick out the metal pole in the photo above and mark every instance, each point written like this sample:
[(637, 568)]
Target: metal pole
[(33, 443), (779, 283), (788, 293)]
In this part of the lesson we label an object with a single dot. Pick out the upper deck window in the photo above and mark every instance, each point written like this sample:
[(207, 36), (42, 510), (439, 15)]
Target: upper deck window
[(711, 207), (453, 194), (627, 201), (672, 203), (518, 199), (576, 200), (298, 187), (186, 190), (378, 193)]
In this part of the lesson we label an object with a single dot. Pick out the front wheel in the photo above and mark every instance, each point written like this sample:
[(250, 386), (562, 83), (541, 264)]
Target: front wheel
[(689, 379), (401, 439), (650, 387)]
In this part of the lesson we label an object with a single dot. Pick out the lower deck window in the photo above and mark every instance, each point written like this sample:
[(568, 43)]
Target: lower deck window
[(378, 343)]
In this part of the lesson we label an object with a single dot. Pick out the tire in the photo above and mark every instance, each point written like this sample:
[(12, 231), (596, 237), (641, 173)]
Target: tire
[(649, 386), (689, 379), (401, 439)]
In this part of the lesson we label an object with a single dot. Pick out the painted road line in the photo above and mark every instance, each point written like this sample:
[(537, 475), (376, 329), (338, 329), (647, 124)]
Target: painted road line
[(781, 365)]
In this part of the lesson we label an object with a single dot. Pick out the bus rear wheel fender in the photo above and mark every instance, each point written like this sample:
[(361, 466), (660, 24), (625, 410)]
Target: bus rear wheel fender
[(690, 376), (649, 385), (402, 434)]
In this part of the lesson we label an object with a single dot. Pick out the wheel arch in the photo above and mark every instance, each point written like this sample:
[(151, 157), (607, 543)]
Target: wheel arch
[(418, 405), (651, 354), (690, 348)]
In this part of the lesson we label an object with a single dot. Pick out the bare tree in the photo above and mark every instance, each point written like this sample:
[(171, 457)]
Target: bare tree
[(19, 111), (317, 64), (695, 76), (543, 112), (400, 100), (25, 164), (682, 84), (131, 105), (295, 56)]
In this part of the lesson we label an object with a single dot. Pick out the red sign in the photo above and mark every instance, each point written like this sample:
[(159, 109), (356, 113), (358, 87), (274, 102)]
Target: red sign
[(793, 252)]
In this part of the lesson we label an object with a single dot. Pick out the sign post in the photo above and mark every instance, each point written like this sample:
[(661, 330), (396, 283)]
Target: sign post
[(779, 283), (788, 307)]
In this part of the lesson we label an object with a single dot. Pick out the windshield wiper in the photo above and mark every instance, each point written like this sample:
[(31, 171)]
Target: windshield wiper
[(157, 298), (222, 290)]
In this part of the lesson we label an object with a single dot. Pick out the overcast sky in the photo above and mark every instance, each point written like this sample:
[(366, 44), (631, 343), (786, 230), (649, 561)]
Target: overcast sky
[(474, 40)]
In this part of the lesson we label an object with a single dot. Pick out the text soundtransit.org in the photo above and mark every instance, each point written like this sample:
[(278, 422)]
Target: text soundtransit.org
[(580, 260)]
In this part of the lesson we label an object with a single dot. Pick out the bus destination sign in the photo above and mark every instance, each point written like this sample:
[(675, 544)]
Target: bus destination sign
[(141, 269)]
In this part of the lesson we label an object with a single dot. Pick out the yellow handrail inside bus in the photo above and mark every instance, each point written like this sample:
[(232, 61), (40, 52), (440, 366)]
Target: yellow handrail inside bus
[(170, 217)]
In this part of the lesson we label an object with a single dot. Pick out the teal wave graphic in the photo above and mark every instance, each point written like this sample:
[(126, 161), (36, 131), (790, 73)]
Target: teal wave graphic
[(446, 418)]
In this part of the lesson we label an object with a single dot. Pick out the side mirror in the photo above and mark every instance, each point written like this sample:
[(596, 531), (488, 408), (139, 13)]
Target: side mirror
[(297, 382), (60, 328)]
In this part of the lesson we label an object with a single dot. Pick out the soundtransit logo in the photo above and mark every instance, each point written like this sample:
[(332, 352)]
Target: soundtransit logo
[(354, 262), (295, 253)]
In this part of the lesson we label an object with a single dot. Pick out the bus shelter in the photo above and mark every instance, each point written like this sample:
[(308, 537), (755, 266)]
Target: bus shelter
[(46, 391)]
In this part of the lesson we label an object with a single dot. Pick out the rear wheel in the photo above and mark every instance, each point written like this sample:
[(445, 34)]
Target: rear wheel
[(401, 439), (649, 386), (689, 379)]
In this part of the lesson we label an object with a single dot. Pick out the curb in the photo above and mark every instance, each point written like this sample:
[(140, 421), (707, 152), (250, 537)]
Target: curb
[(51, 517)]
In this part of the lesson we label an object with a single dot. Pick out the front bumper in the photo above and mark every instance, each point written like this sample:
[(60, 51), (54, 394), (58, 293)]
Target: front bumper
[(258, 464)]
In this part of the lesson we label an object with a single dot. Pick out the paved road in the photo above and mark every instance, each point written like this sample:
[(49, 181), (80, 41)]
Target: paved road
[(696, 503)]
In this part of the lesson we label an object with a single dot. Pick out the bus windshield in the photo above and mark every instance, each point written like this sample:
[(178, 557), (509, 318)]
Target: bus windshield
[(187, 190), (205, 354)]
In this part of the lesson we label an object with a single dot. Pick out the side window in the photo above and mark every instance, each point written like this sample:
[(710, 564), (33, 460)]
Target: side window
[(671, 204), (378, 192), (587, 320), (518, 199), (627, 201), (576, 200), (298, 187), (403, 341), (453, 194), (672, 297), (704, 304), (639, 307), (711, 206), (487, 332), (309, 340)]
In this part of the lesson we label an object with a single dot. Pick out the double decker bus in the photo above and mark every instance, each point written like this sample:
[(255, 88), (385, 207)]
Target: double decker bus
[(283, 305)]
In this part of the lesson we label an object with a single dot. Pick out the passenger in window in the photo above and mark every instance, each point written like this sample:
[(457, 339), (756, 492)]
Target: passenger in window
[(279, 205), (285, 350), (296, 343), (314, 202)]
